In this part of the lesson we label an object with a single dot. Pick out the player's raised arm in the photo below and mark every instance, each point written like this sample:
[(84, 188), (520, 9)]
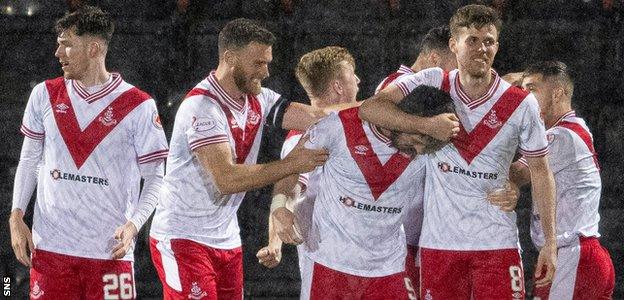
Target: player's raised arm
[(381, 110), (230, 177)]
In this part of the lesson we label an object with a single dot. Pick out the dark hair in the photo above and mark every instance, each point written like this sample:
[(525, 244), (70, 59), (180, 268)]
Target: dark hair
[(240, 32), (437, 38), (474, 15), (552, 69), (426, 101), (89, 20)]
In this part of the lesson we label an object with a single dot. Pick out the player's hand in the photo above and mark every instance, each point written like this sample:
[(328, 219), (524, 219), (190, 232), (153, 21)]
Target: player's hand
[(443, 127), (124, 235), (284, 221), (546, 262), (505, 198), (271, 255), (304, 160), (21, 238)]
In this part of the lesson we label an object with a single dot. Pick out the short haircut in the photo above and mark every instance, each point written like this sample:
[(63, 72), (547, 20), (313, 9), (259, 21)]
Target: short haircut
[(474, 15), (552, 70), (316, 69), (437, 38), (427, 101), (240, 32), (88, 20)]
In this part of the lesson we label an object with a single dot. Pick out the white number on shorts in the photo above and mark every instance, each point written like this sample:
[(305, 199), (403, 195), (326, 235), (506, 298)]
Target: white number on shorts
[(121, 284), (516, 278), (410, 289)]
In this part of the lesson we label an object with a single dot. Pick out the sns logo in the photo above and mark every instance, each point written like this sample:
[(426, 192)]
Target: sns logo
[(253, 117), (107, 119), (196, 292), (36, 291), (361, 149), (492, 120)]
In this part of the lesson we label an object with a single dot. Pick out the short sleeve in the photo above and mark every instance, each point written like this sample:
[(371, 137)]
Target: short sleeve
[(561, 149), (289, 145), (32, 123), (533, 141), (431, 77), (324, 133), (150, 142), (204, 122)]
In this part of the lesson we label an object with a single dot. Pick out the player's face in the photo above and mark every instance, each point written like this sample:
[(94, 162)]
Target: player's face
[(540, 88), (412, 144), (349, 82), (475, 49), (72, 53), (252, 66)]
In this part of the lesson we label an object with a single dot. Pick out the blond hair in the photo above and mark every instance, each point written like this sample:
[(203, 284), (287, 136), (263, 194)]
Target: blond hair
[(316, 69)]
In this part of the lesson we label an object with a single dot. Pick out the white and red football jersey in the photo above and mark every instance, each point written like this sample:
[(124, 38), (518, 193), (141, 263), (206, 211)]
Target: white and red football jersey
[(364, 189), (574, 164), (457, 215), (89, 177), (190, 206), (414, 214)]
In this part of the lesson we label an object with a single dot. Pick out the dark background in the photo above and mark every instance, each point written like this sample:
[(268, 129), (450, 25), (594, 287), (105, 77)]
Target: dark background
[(165, 47)]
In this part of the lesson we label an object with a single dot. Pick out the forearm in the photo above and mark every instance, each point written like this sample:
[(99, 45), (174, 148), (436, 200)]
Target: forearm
[(152, 174), (240, 178), (543, 192), (383, 112), (26, 173), (519, 174), (273, 237)]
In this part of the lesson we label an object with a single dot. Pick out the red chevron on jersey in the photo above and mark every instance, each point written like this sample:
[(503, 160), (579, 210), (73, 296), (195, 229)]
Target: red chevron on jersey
[(446, 82), (389, 80), (242, 138), (584, 135), (379, 177), (469, 145), (81, 143)]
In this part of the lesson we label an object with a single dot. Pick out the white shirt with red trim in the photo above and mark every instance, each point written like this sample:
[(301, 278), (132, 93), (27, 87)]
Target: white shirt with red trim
[(190, 206), (88, 182), (574, 164), (413, 220), (457, 215), (363, 191)]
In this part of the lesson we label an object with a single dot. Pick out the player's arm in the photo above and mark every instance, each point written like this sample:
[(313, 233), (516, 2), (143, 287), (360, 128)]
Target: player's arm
[(230, 177), (24, 186), (543, 192), (152, 174), (381, 109), (300, 116)]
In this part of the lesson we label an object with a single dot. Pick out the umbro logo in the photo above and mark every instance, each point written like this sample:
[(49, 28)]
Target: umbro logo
[(36, 291), (61, 108)]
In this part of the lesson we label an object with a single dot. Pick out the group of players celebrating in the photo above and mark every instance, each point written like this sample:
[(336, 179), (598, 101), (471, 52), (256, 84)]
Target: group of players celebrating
[(408, 194)]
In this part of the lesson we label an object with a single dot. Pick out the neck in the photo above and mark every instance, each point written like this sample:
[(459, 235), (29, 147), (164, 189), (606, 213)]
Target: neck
[(327, 100), (475, 87), (558, 112), (419, 64), (225, 77), (96, 75)]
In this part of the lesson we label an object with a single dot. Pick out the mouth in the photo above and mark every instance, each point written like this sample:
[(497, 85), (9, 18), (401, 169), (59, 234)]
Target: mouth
[(64, 64)]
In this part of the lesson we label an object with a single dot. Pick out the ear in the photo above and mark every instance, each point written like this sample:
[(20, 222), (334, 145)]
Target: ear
[(337, 86), (558, 94), (453, 45), (94, 49), (230, 57)]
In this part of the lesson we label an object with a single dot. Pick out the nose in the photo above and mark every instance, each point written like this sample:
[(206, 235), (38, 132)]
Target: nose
[(57, 53)]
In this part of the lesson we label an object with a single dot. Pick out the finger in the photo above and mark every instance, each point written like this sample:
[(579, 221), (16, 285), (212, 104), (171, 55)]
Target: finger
[(31, 245), (262, 253), (118, 233), (117, 247), (296, 237), (120, 253), (538, 270)]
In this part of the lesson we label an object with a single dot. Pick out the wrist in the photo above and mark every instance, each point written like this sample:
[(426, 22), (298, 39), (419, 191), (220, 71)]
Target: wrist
[(278, 201), (16, 214)]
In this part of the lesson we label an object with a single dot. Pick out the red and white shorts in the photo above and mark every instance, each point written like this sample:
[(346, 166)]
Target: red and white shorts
[(412, 271), (490, 274), (584, 271), (190, 270), (59, 276), (320, 282)]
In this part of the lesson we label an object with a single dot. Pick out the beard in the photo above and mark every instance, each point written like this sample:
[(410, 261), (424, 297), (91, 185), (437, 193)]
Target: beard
[(245, 84)]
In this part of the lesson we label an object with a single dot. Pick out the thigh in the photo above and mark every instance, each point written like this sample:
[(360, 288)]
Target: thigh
[(444, 274), (54, 276), (107, 279), (185, 269), (229, 272), (412, 272), (595, 275), (333, 285), (387, 287), (497, 274)]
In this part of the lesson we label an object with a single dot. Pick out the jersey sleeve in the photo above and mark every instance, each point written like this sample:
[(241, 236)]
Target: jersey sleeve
[(274, 107), (431, 77), (561, 149), (150, 142), (204, 122), (533, 141), (32, 123), (324, 133), (289, 145)]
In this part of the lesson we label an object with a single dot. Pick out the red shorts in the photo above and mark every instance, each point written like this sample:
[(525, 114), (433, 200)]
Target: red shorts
[(412, 272), (491, 274), (320, 282), (584, 271), (190, 270), (59, 276)]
